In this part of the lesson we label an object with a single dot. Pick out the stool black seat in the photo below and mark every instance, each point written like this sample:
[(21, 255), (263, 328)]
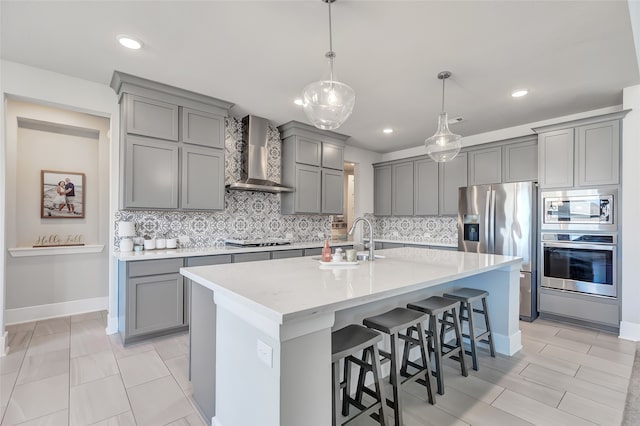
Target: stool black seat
[(393, 323), (435, 307), (466, 297), (345, 344)]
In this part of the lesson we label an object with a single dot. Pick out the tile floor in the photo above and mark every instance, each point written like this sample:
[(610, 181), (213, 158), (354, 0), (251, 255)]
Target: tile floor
[(67, 371)]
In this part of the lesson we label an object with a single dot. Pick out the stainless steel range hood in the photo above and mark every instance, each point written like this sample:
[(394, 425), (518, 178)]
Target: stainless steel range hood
[(255, 158)]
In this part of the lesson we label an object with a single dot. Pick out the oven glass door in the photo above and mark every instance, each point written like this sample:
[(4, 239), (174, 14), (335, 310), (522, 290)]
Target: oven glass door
[(580, 268)]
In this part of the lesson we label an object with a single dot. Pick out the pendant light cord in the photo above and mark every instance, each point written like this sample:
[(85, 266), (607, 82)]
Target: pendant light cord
[(443, 94), (330, 54)]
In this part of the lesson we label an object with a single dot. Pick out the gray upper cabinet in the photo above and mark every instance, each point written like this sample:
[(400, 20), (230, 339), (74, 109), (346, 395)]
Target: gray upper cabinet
[(402, 189), (202, 178), (312, 163), (150, 117), (425, 188), (186, 173), (520, 162), (453, 175), (580, 153), (308, 151), (382, 190), (332, 156), (485, 166), (201, 128), (151, 173), (598, 154), (308, 184), (332, 191), (555, 159)]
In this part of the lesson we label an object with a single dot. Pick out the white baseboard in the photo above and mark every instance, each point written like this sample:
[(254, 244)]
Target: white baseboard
[(53, 310), (4, 341), (629, 331)]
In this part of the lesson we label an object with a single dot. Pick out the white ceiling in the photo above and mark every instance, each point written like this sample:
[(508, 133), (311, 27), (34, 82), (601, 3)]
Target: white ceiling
[(573, 56)]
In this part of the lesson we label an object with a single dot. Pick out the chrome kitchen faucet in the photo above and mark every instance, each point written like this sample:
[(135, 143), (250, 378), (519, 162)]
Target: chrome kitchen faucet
[(371, 242)]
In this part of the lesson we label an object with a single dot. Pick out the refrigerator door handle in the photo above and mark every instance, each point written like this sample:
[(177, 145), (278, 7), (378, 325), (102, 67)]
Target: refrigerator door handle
[(491, 196), (486, 225)]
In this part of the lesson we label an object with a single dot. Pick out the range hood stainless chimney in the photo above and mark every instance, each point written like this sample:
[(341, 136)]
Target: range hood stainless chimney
[(255, 158)]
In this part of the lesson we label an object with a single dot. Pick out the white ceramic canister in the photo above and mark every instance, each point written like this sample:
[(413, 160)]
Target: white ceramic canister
[(161, 243), (172, 243), (149, 244), (126, 244)]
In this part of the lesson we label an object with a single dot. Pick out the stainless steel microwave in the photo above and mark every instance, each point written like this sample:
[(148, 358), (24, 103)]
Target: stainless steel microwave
[(582, 209)]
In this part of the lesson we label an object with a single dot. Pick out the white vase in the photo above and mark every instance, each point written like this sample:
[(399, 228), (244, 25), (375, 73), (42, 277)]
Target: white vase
[(126, 244)]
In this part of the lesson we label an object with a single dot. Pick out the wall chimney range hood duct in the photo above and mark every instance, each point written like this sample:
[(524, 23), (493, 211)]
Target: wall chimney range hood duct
[(255, 158)]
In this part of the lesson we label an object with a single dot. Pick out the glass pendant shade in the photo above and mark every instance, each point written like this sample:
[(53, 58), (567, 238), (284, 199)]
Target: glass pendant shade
[(443, 145), (328, 103)]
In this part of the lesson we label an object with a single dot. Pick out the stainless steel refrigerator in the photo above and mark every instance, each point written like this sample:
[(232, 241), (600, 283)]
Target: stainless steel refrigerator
[(501, 219)]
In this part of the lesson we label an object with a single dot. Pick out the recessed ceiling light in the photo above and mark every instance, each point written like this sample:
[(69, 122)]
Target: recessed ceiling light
[(297, 101), (387, 130), (129, 42), (519, 93)]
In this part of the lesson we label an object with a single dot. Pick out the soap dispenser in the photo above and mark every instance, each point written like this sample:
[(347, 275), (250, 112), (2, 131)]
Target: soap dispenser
[(326, 252)]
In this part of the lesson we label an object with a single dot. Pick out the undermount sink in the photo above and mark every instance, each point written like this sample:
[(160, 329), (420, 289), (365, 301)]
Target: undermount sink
[(364, 255)]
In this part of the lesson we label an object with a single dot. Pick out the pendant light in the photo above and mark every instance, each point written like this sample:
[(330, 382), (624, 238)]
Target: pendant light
[(443, 145), (328, 103)]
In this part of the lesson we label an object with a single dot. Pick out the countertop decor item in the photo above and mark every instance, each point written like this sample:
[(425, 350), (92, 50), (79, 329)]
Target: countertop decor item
[(126, 230), (328, 103), (443, 145)]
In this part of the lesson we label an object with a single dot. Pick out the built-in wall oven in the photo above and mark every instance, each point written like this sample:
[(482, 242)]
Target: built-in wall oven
[(582, 210), (580, 262)]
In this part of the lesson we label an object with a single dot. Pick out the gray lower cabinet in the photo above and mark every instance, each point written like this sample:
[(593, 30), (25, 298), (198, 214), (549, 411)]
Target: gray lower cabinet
[(453, 175), (485, 166), (250, 257), (386, 245), (601, 311), (286, 254), (202, 183), (402, 189), (332, 191), (313, 251), (520, 162), (425, 198), (150, 299), (382, 190), (150, 173)]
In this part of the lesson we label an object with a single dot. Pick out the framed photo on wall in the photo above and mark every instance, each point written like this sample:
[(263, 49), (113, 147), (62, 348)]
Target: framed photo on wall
[(62, 195)]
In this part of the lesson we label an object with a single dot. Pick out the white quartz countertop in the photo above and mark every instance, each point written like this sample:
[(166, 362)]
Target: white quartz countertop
[(212, 251), (287, 289)]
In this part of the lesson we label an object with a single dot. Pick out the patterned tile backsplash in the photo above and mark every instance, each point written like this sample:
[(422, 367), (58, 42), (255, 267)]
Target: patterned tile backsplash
[(257, 214), (429, 229), (246, 214)]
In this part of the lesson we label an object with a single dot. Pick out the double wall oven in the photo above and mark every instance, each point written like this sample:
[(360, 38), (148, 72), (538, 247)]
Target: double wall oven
[(579, 241)]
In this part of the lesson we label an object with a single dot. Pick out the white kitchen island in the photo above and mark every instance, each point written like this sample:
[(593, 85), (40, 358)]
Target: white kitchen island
[(274, 319)]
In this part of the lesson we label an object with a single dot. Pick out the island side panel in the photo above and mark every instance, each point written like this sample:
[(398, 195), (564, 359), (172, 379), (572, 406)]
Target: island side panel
[(247, 390), (202, 349)]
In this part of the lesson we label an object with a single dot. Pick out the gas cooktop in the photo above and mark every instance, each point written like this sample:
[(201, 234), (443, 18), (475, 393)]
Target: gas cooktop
[(258, 242)]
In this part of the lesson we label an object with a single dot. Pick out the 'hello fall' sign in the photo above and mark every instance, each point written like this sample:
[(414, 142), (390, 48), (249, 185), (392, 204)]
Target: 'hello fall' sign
[(55, 240)]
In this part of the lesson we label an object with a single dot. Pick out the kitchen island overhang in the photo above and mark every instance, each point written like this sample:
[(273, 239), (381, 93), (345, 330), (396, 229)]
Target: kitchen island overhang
[(274, 321)]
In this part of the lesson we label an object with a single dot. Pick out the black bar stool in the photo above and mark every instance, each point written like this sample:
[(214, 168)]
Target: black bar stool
[(466, 297), (436, 306), (345, 343), (392, 323)]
